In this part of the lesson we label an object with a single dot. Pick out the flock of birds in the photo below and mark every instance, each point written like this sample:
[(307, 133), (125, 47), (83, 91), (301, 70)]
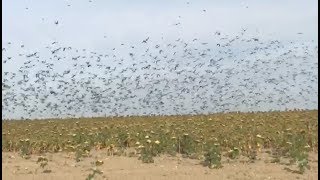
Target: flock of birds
[(230, 73)]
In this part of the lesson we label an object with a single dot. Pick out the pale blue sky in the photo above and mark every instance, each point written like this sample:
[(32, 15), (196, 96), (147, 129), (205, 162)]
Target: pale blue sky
[(101, 25), (85, 23)]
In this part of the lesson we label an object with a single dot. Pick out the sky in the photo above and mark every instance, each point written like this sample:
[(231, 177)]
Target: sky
[(101, 25), (85, 23)]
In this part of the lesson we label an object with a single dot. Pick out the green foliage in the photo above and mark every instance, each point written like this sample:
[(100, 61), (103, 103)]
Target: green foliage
[(122, 139), (25, 149), (233, 153), (298, 152), (147, 154), (213, 157), (82, 150), (186, 145)]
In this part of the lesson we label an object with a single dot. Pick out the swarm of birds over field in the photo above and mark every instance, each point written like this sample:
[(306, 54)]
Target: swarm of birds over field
[(165, 78), (229, 72)]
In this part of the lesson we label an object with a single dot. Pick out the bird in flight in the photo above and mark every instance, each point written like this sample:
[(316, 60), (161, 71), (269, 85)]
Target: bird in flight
[(56, 22), (145, 41)]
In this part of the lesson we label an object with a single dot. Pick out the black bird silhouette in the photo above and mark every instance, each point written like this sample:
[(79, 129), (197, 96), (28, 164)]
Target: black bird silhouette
[(146, 40)]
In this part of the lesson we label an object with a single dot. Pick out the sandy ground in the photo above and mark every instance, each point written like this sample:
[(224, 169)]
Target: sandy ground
[(63, 166)]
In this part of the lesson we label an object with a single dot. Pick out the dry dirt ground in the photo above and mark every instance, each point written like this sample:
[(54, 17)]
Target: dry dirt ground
[(63, 166)]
